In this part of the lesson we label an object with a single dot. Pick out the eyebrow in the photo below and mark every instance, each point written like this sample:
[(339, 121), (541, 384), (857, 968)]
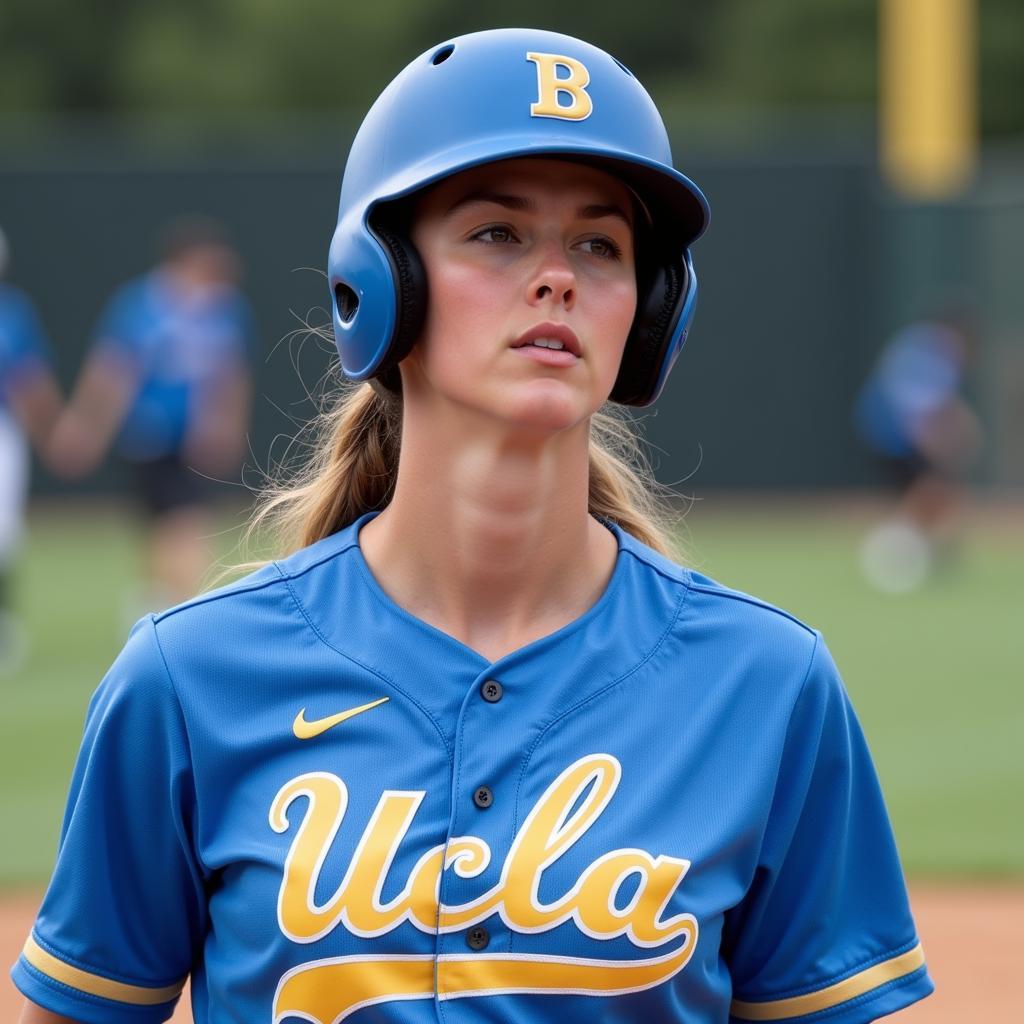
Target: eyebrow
[(592, 211)]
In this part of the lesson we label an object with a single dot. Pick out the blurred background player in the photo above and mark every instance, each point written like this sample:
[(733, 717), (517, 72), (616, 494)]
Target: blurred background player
[(29, 404), (913, 415), (168, 385)]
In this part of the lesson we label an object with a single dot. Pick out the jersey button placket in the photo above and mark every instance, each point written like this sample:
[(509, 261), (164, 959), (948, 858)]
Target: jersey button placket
[(491, 691), (481, 762)]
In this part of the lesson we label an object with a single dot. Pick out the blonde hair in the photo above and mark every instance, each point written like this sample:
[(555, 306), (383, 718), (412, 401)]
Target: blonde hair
[(353, 466)]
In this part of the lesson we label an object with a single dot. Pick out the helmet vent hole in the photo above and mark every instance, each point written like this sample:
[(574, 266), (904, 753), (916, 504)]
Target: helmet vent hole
[(440, 56), (623, 66), (347, 302)]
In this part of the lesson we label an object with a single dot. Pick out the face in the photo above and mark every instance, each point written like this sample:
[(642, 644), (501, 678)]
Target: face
[(531, 292), (207, 267)]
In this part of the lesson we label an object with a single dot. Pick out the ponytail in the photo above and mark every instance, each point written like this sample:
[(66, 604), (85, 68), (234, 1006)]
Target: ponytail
[(351, 471)]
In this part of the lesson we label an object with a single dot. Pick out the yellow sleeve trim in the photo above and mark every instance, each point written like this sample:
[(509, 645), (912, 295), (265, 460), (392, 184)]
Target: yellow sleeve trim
[(94, 984), (840, 992)]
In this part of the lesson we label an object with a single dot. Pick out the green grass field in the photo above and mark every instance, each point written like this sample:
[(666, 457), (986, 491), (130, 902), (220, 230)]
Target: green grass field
[(937, 676)]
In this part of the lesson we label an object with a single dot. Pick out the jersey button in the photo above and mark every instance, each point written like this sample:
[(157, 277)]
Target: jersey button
[(477, 938), (491, 691), (483, 797)]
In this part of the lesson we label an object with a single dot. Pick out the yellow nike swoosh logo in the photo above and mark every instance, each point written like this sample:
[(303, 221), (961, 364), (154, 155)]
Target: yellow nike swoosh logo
[(308, 730)]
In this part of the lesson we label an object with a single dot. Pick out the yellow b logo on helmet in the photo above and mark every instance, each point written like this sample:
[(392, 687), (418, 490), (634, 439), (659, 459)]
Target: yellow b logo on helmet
[(550, 84)]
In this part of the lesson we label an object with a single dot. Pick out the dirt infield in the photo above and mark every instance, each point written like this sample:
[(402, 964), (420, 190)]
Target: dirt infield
[(969, 934)]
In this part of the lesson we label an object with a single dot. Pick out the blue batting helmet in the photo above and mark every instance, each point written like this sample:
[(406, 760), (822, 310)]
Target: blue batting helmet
[(492, 96)]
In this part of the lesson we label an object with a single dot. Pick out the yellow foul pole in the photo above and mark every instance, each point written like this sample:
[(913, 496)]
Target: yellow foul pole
[(928, 95)]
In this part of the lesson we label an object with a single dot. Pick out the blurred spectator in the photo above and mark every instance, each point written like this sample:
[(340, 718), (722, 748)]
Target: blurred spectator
[(913, 415), (29, 404), (167, 384)]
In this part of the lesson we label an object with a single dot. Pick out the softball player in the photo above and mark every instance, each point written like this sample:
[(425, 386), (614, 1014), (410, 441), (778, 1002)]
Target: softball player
[(479, 750), (167, 385), (29, 403)]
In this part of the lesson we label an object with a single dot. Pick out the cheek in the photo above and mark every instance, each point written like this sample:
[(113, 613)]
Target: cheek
[(462, 303), (616, 308)]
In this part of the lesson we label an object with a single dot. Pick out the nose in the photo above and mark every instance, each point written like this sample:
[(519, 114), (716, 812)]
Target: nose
[(553, 281)]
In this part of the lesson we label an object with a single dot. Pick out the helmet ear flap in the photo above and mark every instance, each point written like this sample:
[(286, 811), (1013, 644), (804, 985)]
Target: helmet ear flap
[(410, 299), (660, 298)]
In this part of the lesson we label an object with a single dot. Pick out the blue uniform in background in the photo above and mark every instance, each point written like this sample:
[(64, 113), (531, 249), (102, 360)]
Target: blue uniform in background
[(23, 355), (181, 351), (22, 341), (326, 809), (917, 375)]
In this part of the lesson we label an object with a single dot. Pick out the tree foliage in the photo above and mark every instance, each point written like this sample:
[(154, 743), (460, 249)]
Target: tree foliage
[(229, 56)]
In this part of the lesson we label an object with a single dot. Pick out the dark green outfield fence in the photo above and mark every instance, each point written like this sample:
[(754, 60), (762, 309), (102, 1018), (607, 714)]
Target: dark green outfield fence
[(808, 265)]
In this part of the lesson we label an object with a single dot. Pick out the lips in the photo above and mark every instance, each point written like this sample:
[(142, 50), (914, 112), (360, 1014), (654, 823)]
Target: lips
[(551, 332)]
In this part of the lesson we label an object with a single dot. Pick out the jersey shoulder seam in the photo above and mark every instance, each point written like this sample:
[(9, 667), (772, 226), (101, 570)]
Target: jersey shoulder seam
[(169, 677), (679, 575), (316, 563), (737, 595), (219, 595), (789, 721), (242, 587), (192, 856), (684, 577)]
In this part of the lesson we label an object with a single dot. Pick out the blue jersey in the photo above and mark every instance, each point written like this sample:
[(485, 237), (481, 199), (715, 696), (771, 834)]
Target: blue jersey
[(918, 374), (22, 342), (327, 809), (181, 351)]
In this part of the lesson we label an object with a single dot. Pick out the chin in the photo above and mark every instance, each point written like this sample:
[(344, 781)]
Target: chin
[(547, 409), (541, 406)]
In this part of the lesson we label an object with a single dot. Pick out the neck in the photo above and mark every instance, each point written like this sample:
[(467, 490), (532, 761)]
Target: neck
[(488, 536)]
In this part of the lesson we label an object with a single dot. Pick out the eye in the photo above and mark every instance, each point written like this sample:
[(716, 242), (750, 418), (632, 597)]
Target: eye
[(497, 233), (602, 247)]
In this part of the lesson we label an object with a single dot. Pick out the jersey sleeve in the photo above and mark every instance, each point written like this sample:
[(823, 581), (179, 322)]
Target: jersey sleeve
[(124, 915), (117, 331), (825, 932), (23, 347)]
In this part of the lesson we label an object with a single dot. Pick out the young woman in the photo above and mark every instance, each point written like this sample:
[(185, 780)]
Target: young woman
[(479, 750)]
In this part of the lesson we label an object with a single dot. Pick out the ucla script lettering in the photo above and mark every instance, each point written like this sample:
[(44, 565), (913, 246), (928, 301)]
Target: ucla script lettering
[(330, 990)]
